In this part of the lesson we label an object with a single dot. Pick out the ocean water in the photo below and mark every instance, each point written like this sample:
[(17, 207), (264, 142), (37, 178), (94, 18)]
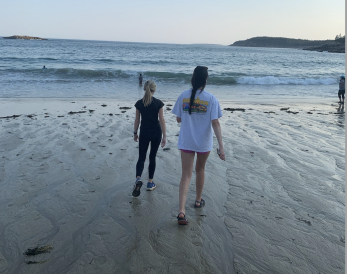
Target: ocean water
[(101, 69)]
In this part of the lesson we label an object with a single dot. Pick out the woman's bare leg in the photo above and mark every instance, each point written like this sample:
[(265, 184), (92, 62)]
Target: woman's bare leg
[(200, 174), (187, 170)]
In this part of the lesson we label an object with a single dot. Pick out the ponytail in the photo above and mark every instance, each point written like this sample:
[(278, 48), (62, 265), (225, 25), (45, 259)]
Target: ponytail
[(194, 89), (149, 88), (199, 79)]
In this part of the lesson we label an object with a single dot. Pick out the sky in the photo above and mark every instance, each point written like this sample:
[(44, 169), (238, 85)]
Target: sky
[(177, 21)]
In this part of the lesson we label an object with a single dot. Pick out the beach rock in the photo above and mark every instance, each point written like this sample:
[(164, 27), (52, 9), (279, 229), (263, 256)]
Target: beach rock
[(125, 108)]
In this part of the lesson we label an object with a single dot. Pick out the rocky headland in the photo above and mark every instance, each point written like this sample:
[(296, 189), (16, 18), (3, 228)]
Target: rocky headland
[(24, 37), (337, 45)]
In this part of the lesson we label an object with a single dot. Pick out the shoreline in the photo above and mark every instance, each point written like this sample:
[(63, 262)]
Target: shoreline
[(6, 103)]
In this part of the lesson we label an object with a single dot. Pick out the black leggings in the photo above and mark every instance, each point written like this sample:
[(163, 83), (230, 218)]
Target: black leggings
[(147, 136), (341, 93)]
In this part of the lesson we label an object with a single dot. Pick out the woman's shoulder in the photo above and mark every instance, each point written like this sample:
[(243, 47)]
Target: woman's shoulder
[(210, 95), (186, 93), (158, 101), (138, 103)]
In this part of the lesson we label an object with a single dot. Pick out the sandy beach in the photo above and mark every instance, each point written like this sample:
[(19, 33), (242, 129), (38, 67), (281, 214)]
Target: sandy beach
[(276, 205)]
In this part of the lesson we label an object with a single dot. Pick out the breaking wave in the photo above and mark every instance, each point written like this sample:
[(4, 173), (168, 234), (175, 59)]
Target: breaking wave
[(71, 74)]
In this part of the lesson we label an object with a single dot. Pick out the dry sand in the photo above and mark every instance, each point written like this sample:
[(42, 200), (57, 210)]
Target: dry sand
[(275, 206)]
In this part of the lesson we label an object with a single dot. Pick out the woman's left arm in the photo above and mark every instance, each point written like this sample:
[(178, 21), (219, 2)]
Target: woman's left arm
[(136, 125), (163, 127)]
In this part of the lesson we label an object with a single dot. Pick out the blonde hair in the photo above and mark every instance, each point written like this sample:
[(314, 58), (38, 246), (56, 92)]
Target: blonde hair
[(149, 87)]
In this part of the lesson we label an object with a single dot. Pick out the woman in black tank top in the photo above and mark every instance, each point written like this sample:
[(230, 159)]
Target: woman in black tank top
[(152, 130)]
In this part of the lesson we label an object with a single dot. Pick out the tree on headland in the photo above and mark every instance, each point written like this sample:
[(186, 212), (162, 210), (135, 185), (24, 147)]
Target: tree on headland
[(339, 38)]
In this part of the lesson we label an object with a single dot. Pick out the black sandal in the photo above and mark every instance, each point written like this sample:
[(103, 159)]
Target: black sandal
[(182, 221), (201, 203)]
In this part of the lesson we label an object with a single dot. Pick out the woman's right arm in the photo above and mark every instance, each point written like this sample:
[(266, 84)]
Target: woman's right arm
[(136, 125), (162, 126), (217, 130)]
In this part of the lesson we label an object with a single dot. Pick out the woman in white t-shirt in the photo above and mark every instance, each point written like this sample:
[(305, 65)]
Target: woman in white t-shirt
[(198, 111)]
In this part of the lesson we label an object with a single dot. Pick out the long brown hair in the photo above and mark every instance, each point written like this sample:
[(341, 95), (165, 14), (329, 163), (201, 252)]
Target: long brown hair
[(149, 87), (198, 80)]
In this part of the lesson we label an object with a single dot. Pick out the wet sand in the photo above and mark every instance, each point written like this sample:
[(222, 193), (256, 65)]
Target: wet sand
[(276, 205)]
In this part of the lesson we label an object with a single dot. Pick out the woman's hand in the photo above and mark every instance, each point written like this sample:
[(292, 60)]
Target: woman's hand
[(221, 154), (136, 137), (163, 142)]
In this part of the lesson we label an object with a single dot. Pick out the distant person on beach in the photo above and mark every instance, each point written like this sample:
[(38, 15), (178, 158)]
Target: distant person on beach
[(152, 130), (140, 79), (44, 67), (198, 111), (341, 93)]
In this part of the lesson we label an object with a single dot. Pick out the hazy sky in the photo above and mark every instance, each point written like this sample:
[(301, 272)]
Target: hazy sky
[(177, 21)]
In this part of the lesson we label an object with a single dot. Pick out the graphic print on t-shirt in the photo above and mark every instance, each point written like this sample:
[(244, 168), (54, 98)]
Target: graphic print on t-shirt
[(199, 106)]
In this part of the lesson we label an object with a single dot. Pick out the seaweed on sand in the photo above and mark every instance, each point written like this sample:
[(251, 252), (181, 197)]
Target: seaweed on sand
[(38, 250), (35, 262), (235, 109)]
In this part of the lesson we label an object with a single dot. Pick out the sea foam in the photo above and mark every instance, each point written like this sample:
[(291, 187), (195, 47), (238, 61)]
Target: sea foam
[(272, 80)]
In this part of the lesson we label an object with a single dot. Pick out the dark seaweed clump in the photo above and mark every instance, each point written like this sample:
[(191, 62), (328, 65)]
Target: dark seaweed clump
[(38, 250), (235, 109)]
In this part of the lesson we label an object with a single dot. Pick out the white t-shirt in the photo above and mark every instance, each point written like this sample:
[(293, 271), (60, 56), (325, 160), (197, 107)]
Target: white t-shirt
[(196, 131)]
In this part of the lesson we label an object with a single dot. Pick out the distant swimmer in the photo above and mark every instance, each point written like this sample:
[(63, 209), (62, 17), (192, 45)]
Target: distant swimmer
[(44, 67), (341, 93), (140, 79)]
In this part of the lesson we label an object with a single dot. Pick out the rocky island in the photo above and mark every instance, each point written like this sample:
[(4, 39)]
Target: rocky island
[(24, 37), (337, 45)]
